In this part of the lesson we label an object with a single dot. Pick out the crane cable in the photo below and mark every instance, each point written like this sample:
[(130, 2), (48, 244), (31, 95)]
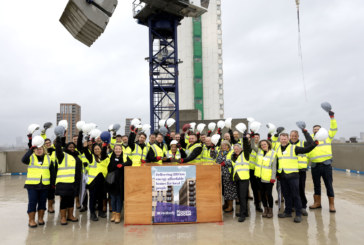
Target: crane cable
[(300, 47)]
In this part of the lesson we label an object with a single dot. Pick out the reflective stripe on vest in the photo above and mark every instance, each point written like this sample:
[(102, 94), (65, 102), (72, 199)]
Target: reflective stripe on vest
[(38, 172), (288, 160), (252, 160), (263, 168), (66, 170), (322, 152), (138, 154), (97, 167), (205, 156), (158, 152), (241, 167), (169, 154), (190, 149), (302, 158)]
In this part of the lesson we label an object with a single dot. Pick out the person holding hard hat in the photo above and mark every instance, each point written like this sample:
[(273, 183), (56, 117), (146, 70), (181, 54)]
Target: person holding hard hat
[(240, 174), (68, 176), (209, 153), (175, 153), (139, 150), (287, 158), (38, 178), (193, 149), (115, 166), (229, 190), (321, 160)]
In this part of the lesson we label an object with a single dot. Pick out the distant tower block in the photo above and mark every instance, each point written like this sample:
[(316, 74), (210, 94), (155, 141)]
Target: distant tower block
[(72, 113), (201, 83)]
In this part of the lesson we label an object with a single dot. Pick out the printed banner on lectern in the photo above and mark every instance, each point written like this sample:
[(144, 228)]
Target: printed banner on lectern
[(174, 194)]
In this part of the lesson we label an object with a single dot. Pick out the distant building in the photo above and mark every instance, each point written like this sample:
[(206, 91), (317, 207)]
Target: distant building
[(161, 196), (127, 125), (187, 193), (362, 136), (72, 113)]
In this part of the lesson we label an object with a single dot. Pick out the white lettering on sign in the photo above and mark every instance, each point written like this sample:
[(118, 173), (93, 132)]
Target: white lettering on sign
[(184, 213), (165, 179)]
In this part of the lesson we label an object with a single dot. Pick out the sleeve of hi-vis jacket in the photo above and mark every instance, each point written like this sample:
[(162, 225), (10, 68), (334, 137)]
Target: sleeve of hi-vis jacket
[(333, 129), (275, 143)]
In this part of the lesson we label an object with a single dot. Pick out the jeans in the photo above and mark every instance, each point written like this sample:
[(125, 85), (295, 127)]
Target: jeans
[(243, 187), (37, 200), (116, 203), (324, 171), (290, 190)]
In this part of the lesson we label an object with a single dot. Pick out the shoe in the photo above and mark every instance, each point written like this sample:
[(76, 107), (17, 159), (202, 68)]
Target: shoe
[(264, 215), (241, 219), (332, 205), (70, 215), (40, 217), (284, 215), (258, 208), (117, 218), (83, 209), (113, 216), (297, 219), (270, 213), (63, 213), (316, 202), (229, 209), (102, 214), (304, 212), (50, 206), (93, 217), (32, 223)]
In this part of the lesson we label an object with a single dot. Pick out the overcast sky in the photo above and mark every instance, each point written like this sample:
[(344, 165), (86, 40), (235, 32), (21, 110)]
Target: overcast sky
[(42, 65)]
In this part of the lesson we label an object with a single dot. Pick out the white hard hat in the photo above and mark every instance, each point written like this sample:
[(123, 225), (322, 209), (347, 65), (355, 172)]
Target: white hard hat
[(93, 125), (250, 119), (87, 128), (146, 128), (111, 127), (135, 122), (32, 128), (212, 126), (321, 135), (193, 126), (228, 122), (241, 127), (38, 141), (161, 123), (116, 127), (271, 128), (201, 127), (215, 139), (95, 133), (170, 122), (174, 142), (79, 125), (221, 124), (63, 123), (255, 126)]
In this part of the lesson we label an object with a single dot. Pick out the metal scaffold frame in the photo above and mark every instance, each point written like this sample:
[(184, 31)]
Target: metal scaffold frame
[(163, 69)]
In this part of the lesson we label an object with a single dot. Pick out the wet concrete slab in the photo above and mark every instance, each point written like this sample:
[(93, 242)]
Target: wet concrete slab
[(346, 226)]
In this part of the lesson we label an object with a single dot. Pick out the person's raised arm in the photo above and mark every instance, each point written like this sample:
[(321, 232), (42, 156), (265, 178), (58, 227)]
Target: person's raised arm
[(59, 151), (26, 157)]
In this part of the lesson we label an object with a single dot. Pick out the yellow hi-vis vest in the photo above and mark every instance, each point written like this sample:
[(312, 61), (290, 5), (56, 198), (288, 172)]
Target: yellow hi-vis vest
[(95, 168), (252, 160), (66, 170), (137, 155), (205, 155), (169, 154), (263, 169), (323, 151), (241, 167), (190, 149), (38, 172), (288, 160), (302, 158), (158, 152)]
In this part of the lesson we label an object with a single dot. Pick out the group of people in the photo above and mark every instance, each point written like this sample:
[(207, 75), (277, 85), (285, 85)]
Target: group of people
[(61, 169)]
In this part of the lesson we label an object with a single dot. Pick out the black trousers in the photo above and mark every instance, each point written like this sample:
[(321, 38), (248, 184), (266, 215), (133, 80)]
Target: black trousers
[(96, 193), (266, 193), (67, 202), (243, 188), (290, 190), (254, 183), (51, 192), (302, 187)]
